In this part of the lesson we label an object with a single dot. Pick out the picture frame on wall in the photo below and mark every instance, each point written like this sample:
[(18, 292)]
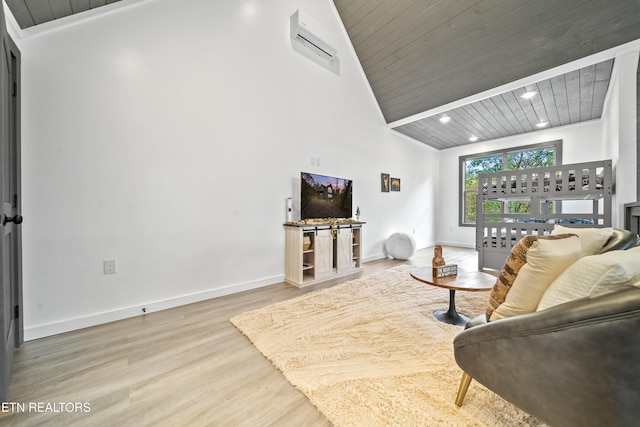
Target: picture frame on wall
[(395, 184), (384, 182)]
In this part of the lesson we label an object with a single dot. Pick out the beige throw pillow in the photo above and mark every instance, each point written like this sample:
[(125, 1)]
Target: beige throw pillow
[(546, 259), (594, 275), (592, 239)]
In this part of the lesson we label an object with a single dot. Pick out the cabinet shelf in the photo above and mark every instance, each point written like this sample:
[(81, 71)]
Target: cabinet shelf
[(333, 251)]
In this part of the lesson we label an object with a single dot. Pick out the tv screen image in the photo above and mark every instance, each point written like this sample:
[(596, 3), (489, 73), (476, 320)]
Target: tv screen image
[(324, 196)]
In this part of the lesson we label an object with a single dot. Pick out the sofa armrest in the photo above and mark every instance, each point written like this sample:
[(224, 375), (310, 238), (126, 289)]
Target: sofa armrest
[(620, 239), (574, 364)]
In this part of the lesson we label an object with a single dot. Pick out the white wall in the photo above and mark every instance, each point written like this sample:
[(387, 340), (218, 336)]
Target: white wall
[(580, 143), (619, 130), (167, 136)]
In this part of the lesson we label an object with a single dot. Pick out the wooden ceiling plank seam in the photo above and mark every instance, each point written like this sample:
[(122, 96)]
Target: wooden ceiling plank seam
[(489, 128), (417, 89), (495, 115), (392, 106), (78, 6), (424, 134), (500, 103), (600, 90), (548, 100), (435, 128), (399, 27), (61, 8), (385, 50), (412, 133), (415, 31), (471, 124), (572, 81), (351, 9), (587, 81), (469, 45), (363, 19), (489, 119), (527, 108), (455, 129), (559, 90), (376, 21), (603, 78), (409, 54), (341, 5), (628, 26), (40, 11), (599, 24), (604, 70), (21, 13), (510, 100), (541, 114)]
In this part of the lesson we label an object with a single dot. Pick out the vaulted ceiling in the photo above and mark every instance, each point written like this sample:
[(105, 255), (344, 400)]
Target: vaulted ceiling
[(421, 56), (34, 12)]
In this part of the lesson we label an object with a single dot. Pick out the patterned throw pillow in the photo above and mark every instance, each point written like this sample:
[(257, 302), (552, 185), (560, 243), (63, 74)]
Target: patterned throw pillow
[(514, 263)]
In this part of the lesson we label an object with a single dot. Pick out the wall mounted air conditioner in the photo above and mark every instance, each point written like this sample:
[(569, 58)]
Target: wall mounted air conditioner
[(311, 35)]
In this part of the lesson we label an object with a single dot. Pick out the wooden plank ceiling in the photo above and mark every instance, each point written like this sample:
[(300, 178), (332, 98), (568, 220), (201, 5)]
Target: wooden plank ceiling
[(34, 12), (419, 55), (569, 98)]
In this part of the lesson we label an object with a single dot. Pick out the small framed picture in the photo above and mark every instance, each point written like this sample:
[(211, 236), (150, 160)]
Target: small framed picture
[(395, 184), (384, 182)]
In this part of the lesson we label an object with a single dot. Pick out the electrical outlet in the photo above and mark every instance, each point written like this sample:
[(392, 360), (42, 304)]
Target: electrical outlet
[(109, 266)]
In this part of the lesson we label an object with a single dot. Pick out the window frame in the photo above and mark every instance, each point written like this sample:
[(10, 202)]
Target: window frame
[(462, 192)]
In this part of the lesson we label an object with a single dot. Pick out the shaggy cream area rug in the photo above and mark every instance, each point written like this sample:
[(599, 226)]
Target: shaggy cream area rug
[(369, 352)]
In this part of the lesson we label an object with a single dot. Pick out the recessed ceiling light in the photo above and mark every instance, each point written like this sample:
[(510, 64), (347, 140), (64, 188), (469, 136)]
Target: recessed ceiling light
[(473, 138), (542, 124), (529, 95), (445, 119)]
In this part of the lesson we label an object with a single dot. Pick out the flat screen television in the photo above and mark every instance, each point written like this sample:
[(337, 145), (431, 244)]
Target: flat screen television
[(324, 196)]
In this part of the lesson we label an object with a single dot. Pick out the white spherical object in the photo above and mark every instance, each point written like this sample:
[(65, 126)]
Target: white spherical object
[(401, 245)]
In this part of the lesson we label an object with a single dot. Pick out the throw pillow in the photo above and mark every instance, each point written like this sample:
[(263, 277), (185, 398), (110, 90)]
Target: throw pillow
[(518, 258), (546, 259), (592, 239), (594, 275)]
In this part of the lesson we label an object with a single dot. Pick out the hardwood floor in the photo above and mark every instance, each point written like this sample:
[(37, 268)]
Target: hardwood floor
[(184, 366)]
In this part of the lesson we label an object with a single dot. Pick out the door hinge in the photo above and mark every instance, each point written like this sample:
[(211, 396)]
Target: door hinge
[(15, 200), (16, 311), (15, 89)]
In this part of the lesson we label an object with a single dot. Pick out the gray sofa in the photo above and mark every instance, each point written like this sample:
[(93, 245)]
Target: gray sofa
[(575, 364)]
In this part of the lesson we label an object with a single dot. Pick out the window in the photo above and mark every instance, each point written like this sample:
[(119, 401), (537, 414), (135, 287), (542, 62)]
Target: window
[(532, 156)]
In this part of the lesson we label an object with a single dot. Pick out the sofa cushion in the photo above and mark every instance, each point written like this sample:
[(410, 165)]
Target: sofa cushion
[(594, 275), (533, 264), (592, 239)]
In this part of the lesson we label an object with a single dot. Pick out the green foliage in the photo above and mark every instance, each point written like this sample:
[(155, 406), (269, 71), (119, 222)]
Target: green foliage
[(514, 161), (531, 159)]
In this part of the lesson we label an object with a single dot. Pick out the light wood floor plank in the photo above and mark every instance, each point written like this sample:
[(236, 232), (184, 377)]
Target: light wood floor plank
[(183, 366)]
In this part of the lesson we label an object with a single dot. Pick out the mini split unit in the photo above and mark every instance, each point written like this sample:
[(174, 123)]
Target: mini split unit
[(307, 33)]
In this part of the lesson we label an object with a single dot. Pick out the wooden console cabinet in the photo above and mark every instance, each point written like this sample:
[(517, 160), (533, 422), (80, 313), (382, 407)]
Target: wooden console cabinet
[(319, 252)]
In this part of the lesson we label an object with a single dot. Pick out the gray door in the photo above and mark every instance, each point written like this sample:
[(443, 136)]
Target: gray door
[(10, 218)]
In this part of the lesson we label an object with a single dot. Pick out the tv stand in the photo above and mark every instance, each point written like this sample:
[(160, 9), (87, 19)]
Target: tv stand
[(321, 251)]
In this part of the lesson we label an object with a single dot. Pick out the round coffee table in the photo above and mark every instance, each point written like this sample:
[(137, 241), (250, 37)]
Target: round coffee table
[(465, 280)]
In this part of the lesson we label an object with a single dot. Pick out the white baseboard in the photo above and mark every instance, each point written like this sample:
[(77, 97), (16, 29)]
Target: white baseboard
[(41, 331), (374, 257)]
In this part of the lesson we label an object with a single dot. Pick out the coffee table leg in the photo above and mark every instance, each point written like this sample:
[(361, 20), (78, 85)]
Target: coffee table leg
[(451, 316)]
